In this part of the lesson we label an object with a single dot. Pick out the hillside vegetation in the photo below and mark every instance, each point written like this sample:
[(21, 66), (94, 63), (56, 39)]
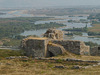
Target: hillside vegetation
[(11, 28), (14, 26)]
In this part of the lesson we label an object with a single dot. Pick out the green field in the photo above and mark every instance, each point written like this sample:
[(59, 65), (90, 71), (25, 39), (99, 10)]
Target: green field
[(95, 28)]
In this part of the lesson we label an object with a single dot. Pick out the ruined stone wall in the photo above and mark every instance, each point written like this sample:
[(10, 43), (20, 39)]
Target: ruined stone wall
[(35, 47), (95, 51), (53, 34), (84, 50), (41, 47), (71, 46), (54, 50), (76, 47)]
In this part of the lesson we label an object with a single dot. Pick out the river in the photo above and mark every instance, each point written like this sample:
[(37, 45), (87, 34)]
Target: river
[(64, 19)]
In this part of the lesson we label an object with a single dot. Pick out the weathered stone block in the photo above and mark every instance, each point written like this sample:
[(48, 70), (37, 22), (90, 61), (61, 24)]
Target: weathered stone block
[(76, 47), (54, 50), (95, 51), (35, 47)]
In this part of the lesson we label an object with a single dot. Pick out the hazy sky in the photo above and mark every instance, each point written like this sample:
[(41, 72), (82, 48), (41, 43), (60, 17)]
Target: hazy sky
[(44, 3)]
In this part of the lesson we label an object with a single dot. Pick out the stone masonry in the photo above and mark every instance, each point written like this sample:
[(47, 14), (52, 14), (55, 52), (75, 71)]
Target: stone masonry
[(53, 45), (76, 47), (54, 34), (43, 47), (95, 51), (34, 47)]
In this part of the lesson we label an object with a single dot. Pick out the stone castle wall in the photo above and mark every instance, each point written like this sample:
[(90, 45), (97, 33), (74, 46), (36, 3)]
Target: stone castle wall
[(54, 50), (71, 46), (95, 51), (76, 47), (43, 47), (53, 34), (35, 47), (84, 50)]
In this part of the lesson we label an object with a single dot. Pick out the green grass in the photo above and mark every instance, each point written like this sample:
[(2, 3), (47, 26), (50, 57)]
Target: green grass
[(18, 67), (7, 53), (12, 42)]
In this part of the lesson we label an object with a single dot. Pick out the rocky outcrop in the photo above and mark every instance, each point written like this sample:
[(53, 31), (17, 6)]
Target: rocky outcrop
[(54, 34)]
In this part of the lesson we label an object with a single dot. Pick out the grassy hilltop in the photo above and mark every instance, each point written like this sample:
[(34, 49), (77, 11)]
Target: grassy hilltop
[(44, 67)]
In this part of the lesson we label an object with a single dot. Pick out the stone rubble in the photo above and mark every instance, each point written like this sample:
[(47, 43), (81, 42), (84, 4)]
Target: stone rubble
[(53, 33), (60, 67), (77, 67), (17, 57)]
